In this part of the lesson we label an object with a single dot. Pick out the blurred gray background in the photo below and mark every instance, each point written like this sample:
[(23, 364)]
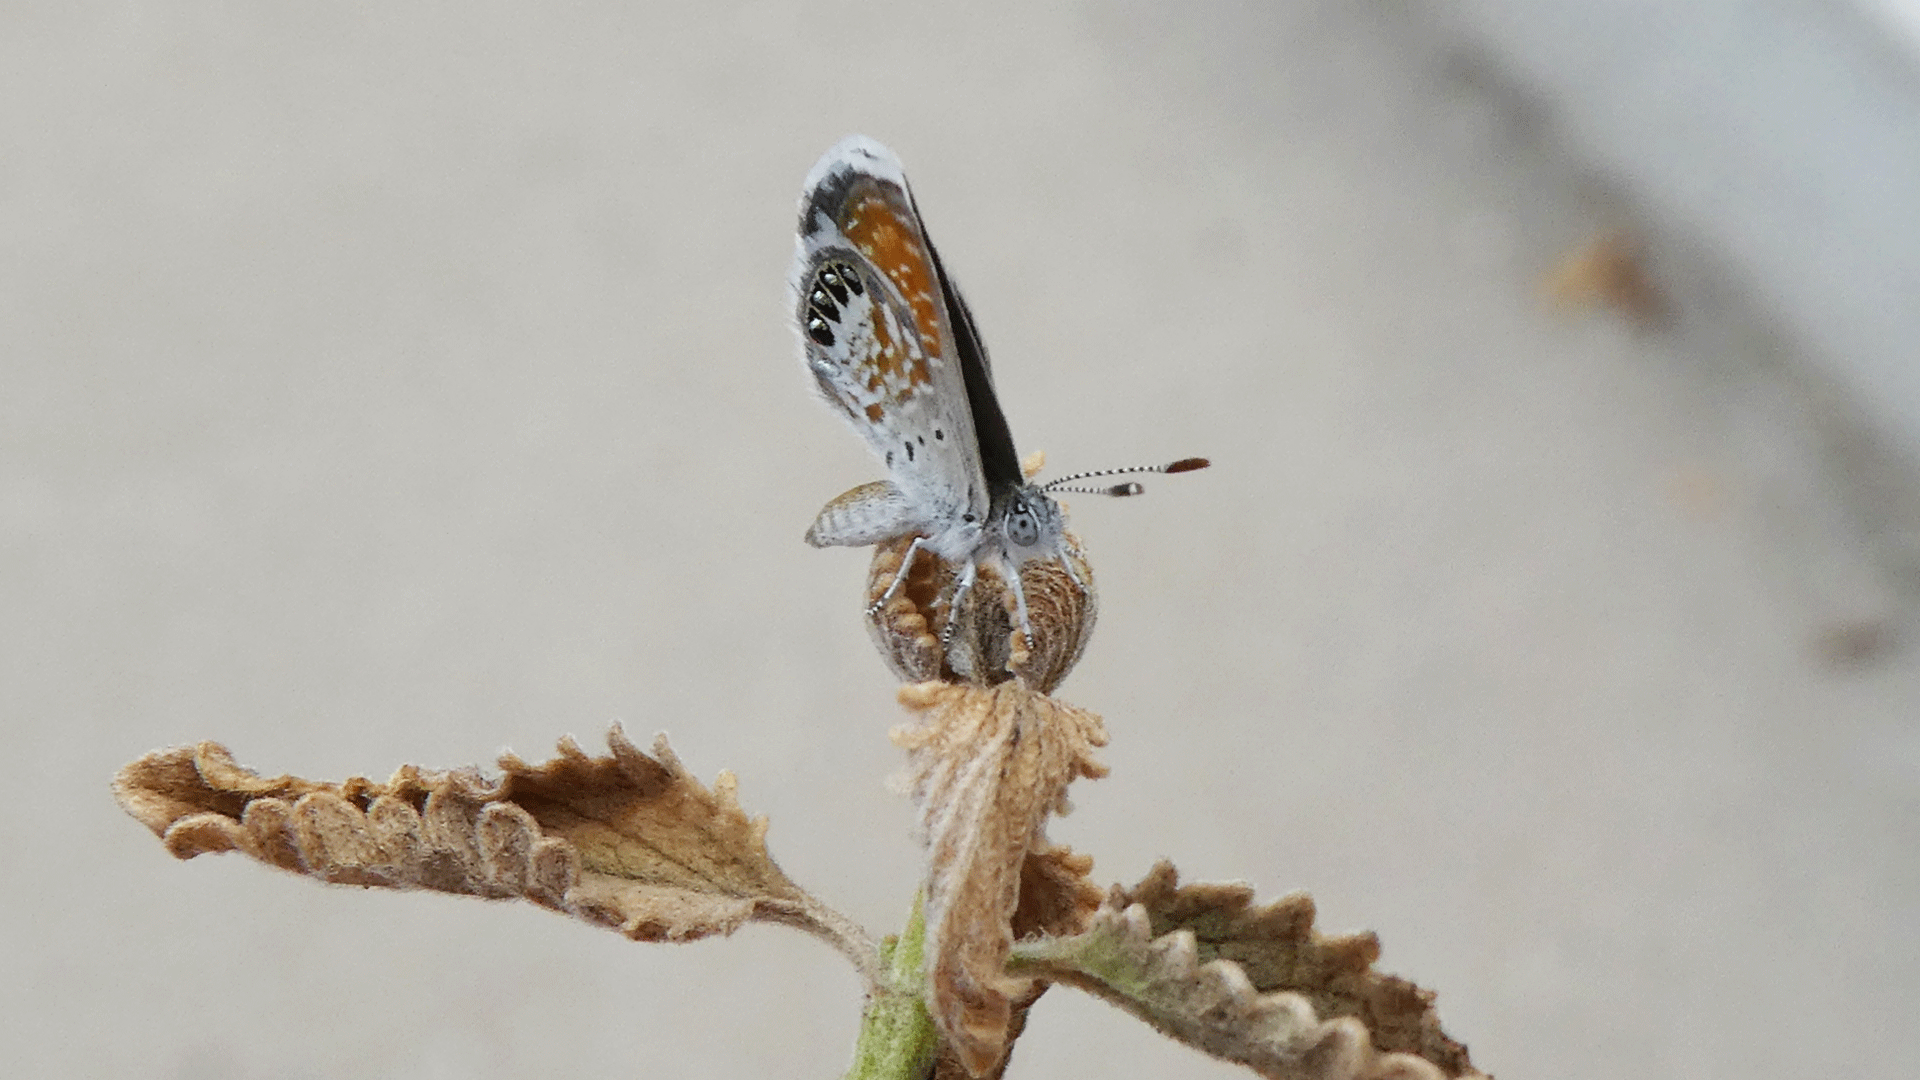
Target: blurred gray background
[(400, 382)]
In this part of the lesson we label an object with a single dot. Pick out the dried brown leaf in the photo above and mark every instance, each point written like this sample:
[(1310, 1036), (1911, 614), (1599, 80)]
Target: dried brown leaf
[(629, 841), (951, 1063), (1256, 986), (1056, 899), (988, 765)]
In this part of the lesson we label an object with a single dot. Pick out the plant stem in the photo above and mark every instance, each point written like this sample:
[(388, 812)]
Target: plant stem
[(897, 1037)]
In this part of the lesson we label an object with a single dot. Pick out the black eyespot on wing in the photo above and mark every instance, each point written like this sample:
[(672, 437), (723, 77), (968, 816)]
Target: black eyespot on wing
[(832, 285), (909, 445), (939, 435), (833, 279)]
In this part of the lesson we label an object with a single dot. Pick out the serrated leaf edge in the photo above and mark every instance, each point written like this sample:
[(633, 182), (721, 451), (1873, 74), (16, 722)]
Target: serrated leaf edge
[(1211, 1006)]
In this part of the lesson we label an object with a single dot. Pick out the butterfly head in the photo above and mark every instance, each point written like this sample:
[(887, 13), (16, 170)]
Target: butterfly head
[(1030, 522)]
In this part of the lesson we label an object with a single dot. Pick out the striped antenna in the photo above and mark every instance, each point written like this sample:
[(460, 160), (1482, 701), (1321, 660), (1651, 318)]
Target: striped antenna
[(1128, 488)]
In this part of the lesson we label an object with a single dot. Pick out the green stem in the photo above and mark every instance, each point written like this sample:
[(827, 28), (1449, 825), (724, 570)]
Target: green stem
[(897, 1036)]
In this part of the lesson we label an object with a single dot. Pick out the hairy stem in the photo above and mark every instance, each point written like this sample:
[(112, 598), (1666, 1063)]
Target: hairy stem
[(897, 1037)]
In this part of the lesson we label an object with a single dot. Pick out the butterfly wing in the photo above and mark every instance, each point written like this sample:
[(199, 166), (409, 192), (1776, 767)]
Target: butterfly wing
[(999, 461), (876, 332)]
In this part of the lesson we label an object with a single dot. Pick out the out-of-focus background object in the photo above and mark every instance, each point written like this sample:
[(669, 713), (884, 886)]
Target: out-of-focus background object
[(1784, 137), (392, 383)]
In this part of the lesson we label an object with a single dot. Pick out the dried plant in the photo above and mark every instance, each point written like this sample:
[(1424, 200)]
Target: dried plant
[(633, 842), (981, 602)]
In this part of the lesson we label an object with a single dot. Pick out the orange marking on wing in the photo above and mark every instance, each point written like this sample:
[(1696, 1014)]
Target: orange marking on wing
[(875, 412), (885, 359), (884, 363), (885, 233)]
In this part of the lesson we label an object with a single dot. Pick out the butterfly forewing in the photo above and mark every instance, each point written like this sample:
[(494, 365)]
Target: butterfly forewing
[(872, 312), (999, 461)]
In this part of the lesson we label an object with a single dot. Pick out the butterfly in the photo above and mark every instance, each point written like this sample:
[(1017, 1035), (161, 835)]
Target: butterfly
[(893, 345)]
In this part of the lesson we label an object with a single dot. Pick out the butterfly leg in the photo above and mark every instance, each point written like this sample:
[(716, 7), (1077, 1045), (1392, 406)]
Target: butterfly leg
[(899, 579), (1066, 563), (1067, 556), (1012, 573), (960, 590), (965, 585)]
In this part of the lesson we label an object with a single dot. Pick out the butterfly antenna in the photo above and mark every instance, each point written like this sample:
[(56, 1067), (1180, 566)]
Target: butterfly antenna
[(1128, 488)]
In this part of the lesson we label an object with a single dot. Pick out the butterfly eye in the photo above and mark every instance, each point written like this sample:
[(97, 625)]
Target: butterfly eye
[(1022, 529)]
